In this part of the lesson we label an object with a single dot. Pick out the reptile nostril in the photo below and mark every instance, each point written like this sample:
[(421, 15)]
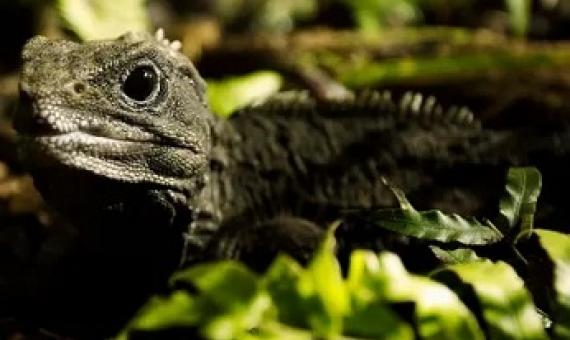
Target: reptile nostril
[(79, 88)]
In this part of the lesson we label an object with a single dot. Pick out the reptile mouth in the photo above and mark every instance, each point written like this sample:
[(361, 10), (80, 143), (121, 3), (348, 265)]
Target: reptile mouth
[(78, 138), (53, 137), (75, 145), (121, 160), (37, 125)]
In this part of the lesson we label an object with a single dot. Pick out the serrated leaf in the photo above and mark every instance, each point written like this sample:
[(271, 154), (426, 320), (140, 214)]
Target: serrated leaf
[(506, 305), (103, 19), (454, 256), (433, 224), (557, 245), (522, 192)]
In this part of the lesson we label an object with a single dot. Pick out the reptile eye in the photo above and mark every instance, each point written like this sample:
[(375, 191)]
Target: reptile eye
[(141, 83)]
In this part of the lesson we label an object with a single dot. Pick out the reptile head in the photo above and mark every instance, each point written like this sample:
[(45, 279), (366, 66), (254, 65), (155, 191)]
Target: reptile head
[(125, 111)]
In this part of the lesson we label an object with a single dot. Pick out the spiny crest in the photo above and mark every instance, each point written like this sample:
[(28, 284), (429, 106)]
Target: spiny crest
[(174, 45), (415, 104), (411, 107)]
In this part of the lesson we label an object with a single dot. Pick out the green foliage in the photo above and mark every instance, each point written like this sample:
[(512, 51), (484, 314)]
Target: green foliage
[(506, 306), (371, 315), (281, 15), (366, 72), (233, 303), (523, 189), (229, 304), (557, 246), (231, 93), (374, 15), (264, 15), (439, 314), (519, 15), (103, 19), (178, 309), (466, 297), (323, 284), (454, 256), (434, 224)]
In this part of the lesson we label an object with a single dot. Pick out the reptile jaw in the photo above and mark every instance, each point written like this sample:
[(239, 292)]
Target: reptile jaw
[(48, 122), (124, 161), (59, 137), (77, 140)]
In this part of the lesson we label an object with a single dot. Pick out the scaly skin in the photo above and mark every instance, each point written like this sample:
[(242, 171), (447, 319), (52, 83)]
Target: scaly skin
[(120, 171), (146, 174), (317, 160)]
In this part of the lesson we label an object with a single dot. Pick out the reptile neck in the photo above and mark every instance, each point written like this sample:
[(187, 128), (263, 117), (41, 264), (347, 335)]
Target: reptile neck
[(127, 241)]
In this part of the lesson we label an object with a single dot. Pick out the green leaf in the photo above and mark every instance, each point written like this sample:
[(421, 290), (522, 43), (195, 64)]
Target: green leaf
[(277, 331), (506, 305), (234, 292), (227, 283), (373, 16), (433, 224), (226, 95), (440, 314), (368, 72), (263, 15), (103, 19), (557, 245), (376, 320), (519, 15), (371, 316), (323, 280), (314, 297), (240, 322), (177, 310), (522, 191), (282, 283), (461, 255)]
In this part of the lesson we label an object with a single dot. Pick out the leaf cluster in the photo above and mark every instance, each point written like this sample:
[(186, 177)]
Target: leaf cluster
[(467, 297)]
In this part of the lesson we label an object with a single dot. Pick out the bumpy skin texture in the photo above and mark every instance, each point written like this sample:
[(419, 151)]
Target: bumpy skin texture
[(145, 181), (121, 171), (295, 155), (81, 119)]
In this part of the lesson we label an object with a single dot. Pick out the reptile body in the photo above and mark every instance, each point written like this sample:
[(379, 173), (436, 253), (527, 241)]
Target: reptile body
[(120, 141)]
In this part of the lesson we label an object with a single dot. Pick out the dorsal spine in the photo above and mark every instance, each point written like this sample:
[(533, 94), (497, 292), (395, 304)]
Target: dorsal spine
[(410, 107)]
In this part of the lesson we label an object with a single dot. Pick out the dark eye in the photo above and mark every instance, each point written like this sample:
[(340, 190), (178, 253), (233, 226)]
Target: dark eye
[(141, 83)]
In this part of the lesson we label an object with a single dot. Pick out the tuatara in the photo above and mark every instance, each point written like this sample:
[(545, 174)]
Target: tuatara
[(120, 141)]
